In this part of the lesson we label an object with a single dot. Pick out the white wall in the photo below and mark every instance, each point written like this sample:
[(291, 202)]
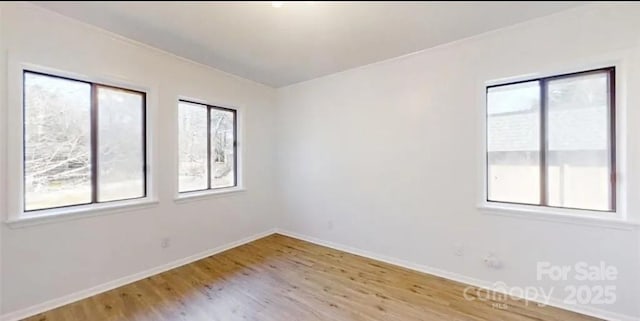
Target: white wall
[(48, 261), (340, 140), (3, 133), (387, 158)]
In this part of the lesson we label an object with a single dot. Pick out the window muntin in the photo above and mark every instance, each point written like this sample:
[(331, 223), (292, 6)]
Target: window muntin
[(62, 143), (559, 145), (207, 147)]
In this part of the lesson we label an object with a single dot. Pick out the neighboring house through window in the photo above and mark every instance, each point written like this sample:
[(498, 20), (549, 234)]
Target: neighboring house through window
[(551, 141)]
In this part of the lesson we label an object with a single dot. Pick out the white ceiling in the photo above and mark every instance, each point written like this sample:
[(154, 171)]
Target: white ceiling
[(298, 41)]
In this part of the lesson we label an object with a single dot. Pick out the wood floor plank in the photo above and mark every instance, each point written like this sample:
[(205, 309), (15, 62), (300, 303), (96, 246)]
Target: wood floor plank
[(279, 278)]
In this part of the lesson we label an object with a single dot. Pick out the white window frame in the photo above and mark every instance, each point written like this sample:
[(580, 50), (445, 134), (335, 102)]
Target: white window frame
[(616, 219), (183, 197), (16, 215)]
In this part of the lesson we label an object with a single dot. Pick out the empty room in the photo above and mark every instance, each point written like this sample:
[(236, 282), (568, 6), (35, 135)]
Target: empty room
[(311, 161)]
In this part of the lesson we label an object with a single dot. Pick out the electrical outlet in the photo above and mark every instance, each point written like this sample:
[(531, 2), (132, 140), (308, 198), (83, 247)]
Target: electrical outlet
[(492, 261), (458, 249), (330, 225), (165, 242)]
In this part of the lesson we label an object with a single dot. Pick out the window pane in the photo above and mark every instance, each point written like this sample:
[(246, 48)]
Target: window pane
[(578, 148), (57, 136), (513, 143), (120, 144), (222, 148), (192, 147)]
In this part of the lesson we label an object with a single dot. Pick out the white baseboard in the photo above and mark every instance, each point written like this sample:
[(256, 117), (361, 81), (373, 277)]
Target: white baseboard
[(590, 311), (52, 304), (73, 297)]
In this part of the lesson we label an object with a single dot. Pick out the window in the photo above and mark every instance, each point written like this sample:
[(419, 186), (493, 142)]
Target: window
[(551, 141), (84, 142), (207, 147)]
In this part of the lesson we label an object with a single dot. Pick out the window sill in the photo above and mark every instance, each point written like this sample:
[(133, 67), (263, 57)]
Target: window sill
[(79, 212), (203, 195), (559, 215)]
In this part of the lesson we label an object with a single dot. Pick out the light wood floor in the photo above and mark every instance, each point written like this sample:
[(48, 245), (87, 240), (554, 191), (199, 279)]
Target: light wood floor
[(278, 278)]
